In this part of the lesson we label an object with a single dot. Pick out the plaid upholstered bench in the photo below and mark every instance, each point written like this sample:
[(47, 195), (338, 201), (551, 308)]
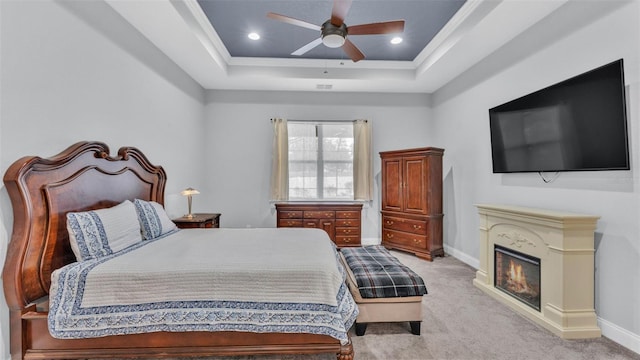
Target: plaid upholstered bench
[(384, 289)]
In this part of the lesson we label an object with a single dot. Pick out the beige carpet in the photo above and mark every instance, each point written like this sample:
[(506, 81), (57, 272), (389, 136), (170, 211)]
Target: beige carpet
[(461, 322)]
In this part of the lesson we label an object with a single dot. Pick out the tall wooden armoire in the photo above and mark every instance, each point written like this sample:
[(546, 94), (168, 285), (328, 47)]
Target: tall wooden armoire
[(412, 201)]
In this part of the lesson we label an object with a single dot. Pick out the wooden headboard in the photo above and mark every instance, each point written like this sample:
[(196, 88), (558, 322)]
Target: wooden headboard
[(42, 190)]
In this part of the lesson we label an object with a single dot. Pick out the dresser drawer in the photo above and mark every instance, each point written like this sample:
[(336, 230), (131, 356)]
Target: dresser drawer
[(290, 223), (347, 214), (404, 239), (347, 231), (290, 214), (345, 240), (348, 222), (323, 214), (409, 225)]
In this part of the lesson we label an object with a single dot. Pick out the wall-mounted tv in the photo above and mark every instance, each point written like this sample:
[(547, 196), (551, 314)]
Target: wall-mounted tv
[(579, 124)]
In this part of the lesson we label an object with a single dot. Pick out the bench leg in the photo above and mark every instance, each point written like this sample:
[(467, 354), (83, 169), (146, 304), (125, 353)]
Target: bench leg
[(415, 327), (361, 328)]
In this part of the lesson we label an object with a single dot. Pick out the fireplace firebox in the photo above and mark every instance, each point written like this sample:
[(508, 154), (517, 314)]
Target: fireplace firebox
[(518, 275)]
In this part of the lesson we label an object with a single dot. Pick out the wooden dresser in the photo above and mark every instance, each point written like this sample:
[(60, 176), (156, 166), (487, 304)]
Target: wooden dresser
[(340, 221), (412, 201)]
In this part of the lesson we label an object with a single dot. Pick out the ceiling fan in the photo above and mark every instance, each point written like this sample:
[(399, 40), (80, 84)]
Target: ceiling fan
[(333, 33)]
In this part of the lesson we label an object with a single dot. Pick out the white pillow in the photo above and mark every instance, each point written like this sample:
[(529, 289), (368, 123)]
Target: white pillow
[(98, 233), (154, 220)]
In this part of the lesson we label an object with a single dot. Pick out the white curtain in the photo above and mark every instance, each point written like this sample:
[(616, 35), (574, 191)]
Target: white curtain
[(280, 161), (362, 161)]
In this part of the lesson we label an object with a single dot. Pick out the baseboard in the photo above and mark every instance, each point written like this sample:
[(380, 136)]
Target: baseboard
[(464, 257), (619, 335)]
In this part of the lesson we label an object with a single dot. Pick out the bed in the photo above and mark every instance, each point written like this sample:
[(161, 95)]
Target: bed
[(82, 178)]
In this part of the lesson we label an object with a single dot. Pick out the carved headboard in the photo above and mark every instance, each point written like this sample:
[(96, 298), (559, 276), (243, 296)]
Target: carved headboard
[(42, 190)]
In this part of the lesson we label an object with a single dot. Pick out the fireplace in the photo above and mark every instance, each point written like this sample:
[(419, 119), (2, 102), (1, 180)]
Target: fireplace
[(518, 275), (540, 263)]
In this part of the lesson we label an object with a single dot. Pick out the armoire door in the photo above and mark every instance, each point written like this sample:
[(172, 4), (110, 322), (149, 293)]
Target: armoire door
[(415, 185), (392, 184)]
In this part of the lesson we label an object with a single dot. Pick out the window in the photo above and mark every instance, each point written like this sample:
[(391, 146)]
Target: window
[(320, 160)]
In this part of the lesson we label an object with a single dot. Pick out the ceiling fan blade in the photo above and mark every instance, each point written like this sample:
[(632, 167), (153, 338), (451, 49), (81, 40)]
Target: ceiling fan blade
[(352, 51), (387, 27), (339, 11), (293, 21), (307, 47)]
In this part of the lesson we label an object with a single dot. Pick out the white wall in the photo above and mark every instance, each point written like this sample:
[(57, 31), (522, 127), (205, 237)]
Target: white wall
[(579, 37), (75, 71), (238, 126)]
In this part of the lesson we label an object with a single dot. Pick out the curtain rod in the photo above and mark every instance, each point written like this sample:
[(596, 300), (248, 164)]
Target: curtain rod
[(324, 121)]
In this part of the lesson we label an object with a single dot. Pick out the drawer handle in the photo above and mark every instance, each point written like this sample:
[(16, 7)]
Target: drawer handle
[(311, 224), (327, 215), (389, 222), (389, 236), (347, 231), (416, 241), (417, 227), (290, 223), (348, 223), (346, 240), (327, 224)]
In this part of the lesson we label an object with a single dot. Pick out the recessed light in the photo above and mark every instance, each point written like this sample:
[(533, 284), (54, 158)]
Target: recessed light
[(253, 36), (396, 40)]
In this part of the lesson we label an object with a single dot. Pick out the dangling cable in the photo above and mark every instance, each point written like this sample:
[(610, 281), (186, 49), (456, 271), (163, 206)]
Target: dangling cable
[(553, 178)]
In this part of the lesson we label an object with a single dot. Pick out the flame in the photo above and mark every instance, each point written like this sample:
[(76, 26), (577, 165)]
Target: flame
[(517, 280)]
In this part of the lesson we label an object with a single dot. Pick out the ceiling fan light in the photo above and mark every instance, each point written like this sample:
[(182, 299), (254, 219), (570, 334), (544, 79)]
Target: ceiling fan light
[(333, 40)]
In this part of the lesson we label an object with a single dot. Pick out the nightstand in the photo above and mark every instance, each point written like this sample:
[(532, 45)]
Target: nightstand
[(198, 221)]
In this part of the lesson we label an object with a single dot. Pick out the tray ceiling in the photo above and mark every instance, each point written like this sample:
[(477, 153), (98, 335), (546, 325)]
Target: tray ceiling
[(442, 39)]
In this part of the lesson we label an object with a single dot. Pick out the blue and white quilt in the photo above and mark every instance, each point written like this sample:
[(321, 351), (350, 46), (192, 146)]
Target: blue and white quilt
[(256, 280)]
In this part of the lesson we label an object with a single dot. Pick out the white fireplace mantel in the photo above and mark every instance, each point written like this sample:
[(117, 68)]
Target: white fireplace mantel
[(564, 243)]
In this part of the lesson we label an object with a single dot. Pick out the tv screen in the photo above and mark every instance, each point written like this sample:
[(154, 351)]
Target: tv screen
[(576, 125)]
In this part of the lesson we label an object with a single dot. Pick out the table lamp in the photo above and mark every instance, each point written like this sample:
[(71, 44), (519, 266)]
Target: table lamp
[(189, 192)]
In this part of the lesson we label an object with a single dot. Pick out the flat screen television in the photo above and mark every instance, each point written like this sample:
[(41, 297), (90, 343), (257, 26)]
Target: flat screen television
[(579, 124)]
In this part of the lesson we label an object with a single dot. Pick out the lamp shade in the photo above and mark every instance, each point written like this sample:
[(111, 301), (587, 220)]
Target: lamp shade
[(189, 191)]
